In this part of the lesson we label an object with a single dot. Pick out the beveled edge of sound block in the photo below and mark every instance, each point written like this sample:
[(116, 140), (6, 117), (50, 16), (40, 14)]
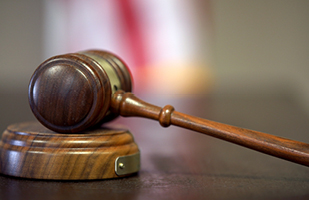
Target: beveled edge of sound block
[(29, 150)]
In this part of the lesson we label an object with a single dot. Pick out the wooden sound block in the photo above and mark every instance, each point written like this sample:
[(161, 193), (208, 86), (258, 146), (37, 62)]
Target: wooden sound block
[(29, 150)]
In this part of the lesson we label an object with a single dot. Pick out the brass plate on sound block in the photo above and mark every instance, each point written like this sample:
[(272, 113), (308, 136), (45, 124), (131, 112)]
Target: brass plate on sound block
[(29, 150), (127, 164)]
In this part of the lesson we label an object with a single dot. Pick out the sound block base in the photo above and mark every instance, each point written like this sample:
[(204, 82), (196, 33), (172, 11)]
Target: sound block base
[(29, 150)]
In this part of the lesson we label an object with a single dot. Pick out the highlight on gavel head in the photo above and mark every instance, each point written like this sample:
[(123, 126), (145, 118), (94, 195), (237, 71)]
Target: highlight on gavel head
[(72, 92)]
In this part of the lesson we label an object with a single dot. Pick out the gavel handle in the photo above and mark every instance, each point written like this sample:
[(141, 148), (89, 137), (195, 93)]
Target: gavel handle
[(127, 104)]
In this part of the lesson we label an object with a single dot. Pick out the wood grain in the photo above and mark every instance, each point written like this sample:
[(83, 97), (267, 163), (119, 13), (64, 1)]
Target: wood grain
[(70, 93), (29, 150)]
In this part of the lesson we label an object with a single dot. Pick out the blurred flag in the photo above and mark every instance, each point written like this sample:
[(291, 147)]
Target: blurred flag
[(160, 40)]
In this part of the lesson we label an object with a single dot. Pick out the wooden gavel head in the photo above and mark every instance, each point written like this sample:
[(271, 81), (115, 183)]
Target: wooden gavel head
[(72, 92)]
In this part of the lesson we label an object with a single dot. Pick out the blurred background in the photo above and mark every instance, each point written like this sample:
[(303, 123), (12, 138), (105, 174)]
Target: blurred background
[(182, 47)]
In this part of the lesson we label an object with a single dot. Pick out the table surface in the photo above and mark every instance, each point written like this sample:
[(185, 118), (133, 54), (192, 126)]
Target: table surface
[(182, 164)]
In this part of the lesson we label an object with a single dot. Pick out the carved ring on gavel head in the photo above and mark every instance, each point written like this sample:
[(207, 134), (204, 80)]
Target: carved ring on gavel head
[(70, 93)]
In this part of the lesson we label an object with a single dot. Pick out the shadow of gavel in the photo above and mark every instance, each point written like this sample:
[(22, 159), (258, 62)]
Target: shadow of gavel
[(73, 92)]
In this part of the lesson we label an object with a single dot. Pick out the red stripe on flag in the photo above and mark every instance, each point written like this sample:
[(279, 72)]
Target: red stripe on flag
[(133, 29)]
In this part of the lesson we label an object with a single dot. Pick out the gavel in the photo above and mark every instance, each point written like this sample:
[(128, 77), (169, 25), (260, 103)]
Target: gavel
[(74, 92)]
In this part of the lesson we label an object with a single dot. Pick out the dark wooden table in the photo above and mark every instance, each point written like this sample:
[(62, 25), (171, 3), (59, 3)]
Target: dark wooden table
[(181, 164)]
